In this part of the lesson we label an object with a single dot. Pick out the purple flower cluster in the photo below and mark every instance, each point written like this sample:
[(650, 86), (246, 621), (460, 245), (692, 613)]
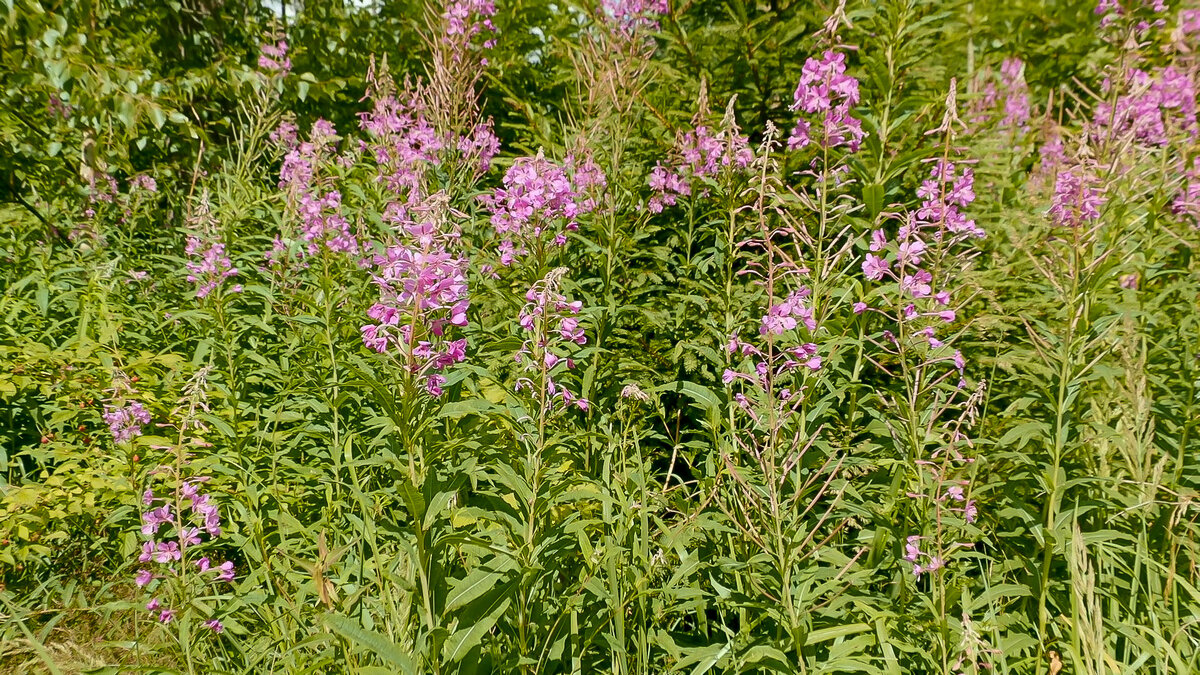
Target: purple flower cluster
[(316, 208), (1187, 202), (943, 194), (923, 243), (786, 348), (1051, 155), (552, 324), (463, 20), (102, 187), (699, 154), (286, 135), (770, 368), (1108, 11), (143, 182), (1016, 94), (1189, 22), (787, 314), (827, 92), (127, 421), (923, 563), (423, 292), (273, 59), (1155, 105), (404, 141), (633, 16), (185, 518), (321, 221), (208, 266), (1077, 199), (1007, 93), (541, 199)]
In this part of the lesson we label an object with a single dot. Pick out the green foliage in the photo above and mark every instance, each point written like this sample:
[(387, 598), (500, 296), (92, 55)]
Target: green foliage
[(687, 518)]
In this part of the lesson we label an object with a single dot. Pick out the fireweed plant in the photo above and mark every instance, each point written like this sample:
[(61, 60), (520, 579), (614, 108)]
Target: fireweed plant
[(180, 523), (616, 336)]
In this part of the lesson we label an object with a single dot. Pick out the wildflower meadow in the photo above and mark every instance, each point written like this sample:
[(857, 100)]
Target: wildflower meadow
[(600, 336)]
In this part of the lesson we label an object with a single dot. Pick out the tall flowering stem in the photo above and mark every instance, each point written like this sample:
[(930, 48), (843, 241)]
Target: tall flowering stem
[(550, 323), (423, 296), (552, 332), (774, 381), (914, 300), (179, 521)]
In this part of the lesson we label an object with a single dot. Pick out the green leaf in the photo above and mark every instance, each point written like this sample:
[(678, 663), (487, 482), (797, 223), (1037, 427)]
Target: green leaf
[(479, 581), (461, 642), (833, 632), (378, 644), (873, 197)]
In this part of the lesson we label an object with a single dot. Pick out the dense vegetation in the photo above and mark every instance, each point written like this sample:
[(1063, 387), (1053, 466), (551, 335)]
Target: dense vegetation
[(621, 336)]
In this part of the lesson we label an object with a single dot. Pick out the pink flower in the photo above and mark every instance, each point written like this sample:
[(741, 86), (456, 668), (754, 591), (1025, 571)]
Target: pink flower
[(189, 536), (631, 16), (214, 625), (698, 154), (143, 577), (1158, 105), (126, 422), (433, 384), (827, 91), (788, 314), (1076, 199), (272, 59), (970, 512), (912, 550), (143, 182), (167, 551), (1189, 21), (423, 294), (153, 519), (878, 241), (208, 265), (917, 284), (911, 252), (874, 267)]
